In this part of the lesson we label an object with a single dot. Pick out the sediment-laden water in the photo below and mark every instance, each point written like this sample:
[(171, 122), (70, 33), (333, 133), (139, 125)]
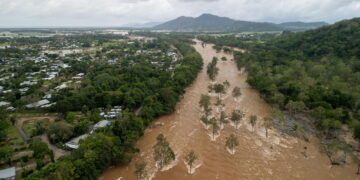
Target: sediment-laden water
[(257, 157)]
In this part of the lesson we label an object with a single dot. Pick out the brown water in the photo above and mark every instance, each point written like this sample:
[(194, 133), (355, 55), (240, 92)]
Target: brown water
[(256, 157)]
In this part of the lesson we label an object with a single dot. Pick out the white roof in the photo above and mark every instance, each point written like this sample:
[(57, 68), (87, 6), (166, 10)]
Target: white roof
[(3, 103), (37, 104), (7, 173), (74, 143)]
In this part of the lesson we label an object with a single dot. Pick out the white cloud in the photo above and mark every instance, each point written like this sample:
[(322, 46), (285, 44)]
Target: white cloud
[(119, 12)]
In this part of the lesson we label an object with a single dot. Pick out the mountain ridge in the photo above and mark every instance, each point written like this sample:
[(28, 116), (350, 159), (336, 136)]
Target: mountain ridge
[(210, 22)]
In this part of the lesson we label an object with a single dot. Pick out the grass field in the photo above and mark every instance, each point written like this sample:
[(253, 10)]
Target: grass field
[(14, 135), (29, 128)]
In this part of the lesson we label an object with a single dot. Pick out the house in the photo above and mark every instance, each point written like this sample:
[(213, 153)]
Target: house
[(38, 104), (75, 143), (3, 103), (8, 174)]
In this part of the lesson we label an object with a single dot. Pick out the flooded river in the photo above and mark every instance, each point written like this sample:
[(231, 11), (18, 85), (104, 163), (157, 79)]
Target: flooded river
[(256, 157)]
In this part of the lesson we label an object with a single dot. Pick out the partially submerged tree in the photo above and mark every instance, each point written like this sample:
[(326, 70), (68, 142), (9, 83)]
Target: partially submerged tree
[(163, 154), (267, 124), (231, 143), (190, 159), (226, 84), (236, 92), (140, 171), (205, 104), (214, 127), (219, 89), (205, 120), (212, 70), (222, 118), (236, 117), (253, 119)]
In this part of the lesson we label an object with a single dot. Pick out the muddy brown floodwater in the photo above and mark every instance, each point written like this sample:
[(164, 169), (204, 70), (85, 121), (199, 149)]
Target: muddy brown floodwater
[(277, 157)]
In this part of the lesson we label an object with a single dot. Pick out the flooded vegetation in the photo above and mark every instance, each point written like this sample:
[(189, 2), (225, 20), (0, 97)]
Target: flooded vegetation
[(262, 151)]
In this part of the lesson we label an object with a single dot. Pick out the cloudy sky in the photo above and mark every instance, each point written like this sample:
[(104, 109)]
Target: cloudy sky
[(26, 13)]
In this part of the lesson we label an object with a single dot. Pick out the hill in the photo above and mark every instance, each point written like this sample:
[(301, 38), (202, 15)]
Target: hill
[(315, 72), (209, 22)]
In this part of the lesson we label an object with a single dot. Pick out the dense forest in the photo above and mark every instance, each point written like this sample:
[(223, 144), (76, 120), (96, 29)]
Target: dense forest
[(316, 72), (133, 86)]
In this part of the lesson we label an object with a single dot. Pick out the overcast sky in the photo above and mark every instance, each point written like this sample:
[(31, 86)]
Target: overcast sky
[(25, 13)]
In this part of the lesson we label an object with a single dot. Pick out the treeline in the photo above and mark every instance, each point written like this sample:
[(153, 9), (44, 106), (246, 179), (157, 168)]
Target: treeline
[(243, 41), (317, 72), (133, 86)]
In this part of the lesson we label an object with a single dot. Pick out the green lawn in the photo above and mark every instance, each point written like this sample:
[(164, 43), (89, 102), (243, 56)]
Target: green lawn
[(4, 44), (14, 135), (28, 128)]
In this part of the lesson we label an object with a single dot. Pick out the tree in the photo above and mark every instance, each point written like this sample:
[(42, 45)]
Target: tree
[(236, 92), (39, 128), (236, 117), (4, 125), (295, 106), (70, 117), (226, 84), (356, 159), (219, 89), (59, 132), (267, 124), (190, 158), (140, 171), (6, 153), (95, 115), (3, 114), (214, 126), (222, 118), (231, 143), (223, 58), (204, 102), (84, 109), (40, 149), (253, 119), (212, 70), (205, 120), (163, 154)]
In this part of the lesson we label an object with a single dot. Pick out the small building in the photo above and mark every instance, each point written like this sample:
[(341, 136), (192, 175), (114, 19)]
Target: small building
[(8, 174), (38, 104), (4, 103)]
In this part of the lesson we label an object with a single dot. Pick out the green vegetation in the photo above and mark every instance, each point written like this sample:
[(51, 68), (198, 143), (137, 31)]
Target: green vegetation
[(163, 154), (190, 159), (135, 82), (314, 72), (231, 143), (140, 171), (212, 70)]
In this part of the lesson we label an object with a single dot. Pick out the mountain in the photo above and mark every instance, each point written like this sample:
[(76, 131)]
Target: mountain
[(209, 22)]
